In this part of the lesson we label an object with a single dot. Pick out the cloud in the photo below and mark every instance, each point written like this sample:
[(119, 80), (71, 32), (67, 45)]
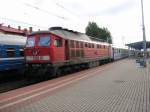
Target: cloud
[(120, 7), (112, 9)]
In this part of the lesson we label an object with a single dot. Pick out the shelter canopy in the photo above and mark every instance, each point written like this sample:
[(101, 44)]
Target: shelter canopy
[(138, 45)]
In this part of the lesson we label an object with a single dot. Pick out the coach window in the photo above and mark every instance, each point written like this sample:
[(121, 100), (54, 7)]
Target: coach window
[(21, 52), (10, 52), (58, 42)]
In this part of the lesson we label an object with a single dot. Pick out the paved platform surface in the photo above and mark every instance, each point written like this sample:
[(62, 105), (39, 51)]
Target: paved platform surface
[(122, 87)]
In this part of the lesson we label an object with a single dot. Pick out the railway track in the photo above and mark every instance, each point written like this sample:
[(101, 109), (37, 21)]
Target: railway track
[(14, 81)]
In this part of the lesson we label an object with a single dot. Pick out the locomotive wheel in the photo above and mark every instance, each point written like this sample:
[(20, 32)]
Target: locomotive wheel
[(58, 72)]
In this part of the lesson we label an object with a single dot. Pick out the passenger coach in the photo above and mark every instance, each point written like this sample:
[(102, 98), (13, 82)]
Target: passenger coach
[(11, 52), (57, 50)]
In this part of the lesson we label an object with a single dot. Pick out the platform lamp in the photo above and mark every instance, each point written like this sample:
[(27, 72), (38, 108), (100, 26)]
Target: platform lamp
[(144, 35)]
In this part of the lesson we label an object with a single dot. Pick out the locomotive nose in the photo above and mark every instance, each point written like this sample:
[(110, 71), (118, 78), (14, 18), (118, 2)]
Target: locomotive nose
[(37, 55), (35, 52)]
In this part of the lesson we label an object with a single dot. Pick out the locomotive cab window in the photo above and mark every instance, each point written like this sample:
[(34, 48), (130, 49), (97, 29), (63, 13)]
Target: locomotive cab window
[(58, 42), (44, 41), (30, 42)]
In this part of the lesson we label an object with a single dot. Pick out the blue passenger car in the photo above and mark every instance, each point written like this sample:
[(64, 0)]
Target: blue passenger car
[(11, 52), (119, 53)]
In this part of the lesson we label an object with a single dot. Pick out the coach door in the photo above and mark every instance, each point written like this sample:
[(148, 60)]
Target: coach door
[(67, 50)]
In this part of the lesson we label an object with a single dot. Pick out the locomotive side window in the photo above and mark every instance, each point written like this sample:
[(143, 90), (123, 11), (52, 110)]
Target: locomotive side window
[(77, 44), (10, 52), (58, 43), (77, 53), (44, 41), (73, 54), (86, 45), (30, 42), (81, 44), (92, 45), (98, 46), (72, 44), (89, 45)]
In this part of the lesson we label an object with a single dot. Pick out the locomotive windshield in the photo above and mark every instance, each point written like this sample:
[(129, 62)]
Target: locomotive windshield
[(44, 41), (30, 42)]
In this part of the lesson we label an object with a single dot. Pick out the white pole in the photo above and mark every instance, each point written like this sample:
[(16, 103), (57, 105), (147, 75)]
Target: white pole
[(144, 35)]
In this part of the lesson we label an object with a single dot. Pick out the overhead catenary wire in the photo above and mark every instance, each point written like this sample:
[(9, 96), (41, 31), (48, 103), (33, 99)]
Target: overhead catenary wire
[(21, 22), (66, 9), (45, 11)]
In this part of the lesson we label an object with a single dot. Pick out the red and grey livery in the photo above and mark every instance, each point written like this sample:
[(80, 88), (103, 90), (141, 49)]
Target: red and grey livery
[(58, 49)]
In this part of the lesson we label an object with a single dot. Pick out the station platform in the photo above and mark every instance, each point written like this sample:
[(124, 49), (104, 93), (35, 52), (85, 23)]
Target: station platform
[(118, 87)]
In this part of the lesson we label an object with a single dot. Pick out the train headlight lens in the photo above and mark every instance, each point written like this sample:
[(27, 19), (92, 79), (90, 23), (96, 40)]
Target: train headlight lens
[(44, 58), (29, 58)]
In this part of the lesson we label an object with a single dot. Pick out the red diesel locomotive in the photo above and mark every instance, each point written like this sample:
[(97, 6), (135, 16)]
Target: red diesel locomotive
[(58, 50)]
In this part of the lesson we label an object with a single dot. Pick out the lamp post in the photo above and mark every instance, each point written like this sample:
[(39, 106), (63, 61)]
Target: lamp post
[(144, 36)]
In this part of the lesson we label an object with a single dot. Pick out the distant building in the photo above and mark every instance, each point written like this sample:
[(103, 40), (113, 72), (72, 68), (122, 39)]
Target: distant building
[(14, 31)]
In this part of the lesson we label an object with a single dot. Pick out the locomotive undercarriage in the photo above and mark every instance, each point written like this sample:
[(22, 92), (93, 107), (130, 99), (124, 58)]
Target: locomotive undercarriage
[(53, 70)]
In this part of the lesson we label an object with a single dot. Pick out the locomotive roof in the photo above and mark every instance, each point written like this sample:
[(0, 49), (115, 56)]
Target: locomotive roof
[(70, 34), (7, 39)]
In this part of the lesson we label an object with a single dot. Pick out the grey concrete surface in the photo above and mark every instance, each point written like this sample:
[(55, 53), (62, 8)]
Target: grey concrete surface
[(122, 87)]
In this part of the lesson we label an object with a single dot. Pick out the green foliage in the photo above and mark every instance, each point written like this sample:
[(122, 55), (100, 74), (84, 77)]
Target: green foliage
[(101, 33)]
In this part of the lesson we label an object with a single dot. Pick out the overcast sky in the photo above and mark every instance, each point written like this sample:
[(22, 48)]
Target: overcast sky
[(121, 17)]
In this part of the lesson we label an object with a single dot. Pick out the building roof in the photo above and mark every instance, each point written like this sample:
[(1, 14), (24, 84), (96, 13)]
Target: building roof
[(138, 45), (11, 30)]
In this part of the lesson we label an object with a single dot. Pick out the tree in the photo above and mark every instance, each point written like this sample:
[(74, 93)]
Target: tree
[(101, 33)]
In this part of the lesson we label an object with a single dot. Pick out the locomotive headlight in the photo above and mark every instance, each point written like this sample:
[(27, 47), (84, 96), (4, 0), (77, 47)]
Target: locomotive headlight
[(44, 58), (29, 58)]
